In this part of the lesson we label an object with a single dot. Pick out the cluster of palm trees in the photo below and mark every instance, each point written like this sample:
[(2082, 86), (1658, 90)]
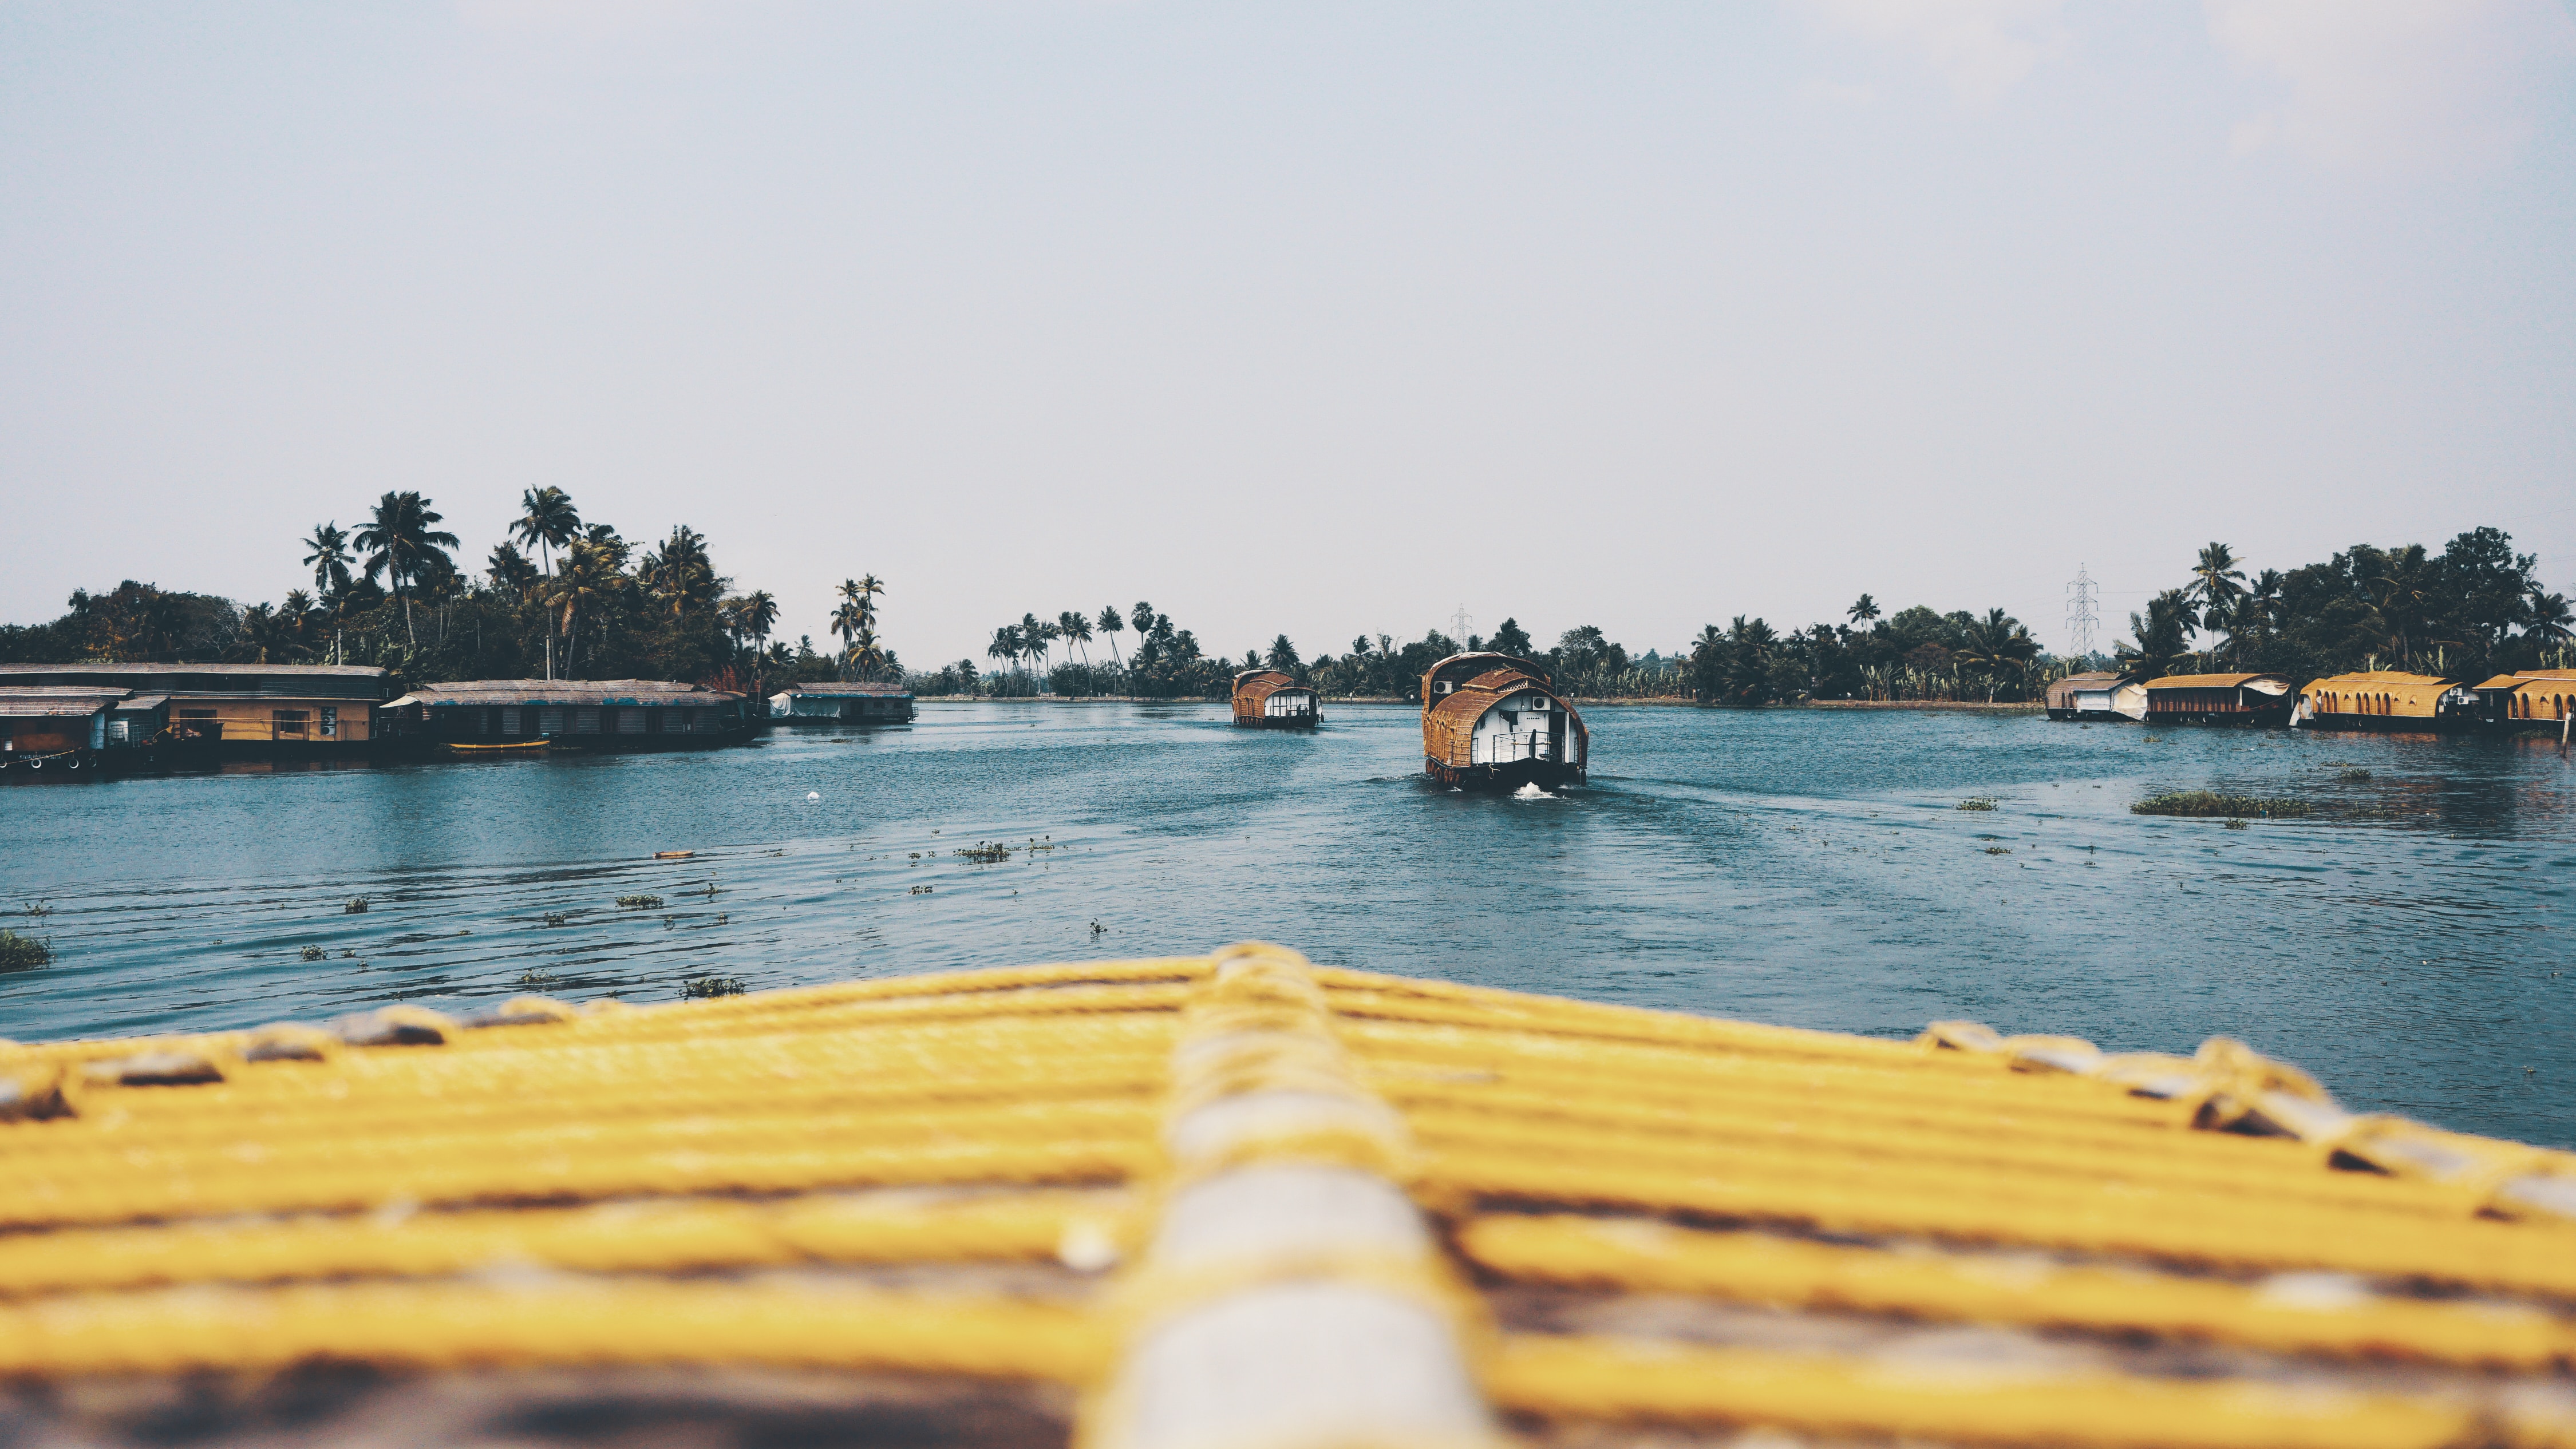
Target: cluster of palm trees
[(855, 620), (400, 542), (1024, 645), (2476, 605)]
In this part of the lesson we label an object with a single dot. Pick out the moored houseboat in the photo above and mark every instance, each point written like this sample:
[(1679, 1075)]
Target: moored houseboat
[(842, 703), (71, 729), (577, 714), (2388, 701), (2097, 695), (271, 711), (1270, 699), (2530, 700), (1495, 720), (2261, 700)]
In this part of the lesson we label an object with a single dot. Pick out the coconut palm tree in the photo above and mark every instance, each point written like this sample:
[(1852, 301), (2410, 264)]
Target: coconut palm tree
[(398, 540), (1283, 657), (1073, 628), (2217, 583), (1862, 611), (327, 554), (1035, 634), (1005, 648), (584, 581), (547, 521), (869, 586), (1113, 626)]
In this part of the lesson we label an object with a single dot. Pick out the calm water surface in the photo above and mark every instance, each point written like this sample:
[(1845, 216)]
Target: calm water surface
[(2412, 945)]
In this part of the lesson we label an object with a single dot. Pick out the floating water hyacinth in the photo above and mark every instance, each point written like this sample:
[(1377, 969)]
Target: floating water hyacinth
[(640, 903), (357, 906)]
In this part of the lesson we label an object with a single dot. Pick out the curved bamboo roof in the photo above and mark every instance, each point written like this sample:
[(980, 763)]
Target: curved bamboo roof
[(2213, 681), (1449, 719), (1241, 1199), (1458, 668)]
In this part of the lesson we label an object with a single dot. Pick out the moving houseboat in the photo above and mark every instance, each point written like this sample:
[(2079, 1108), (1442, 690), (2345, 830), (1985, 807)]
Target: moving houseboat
[(2262, 700), (273, 711), (2535, 700), (1494, 720), (2389, 701), (1267, 699), (840, 703), (2098, 695), (468, 716)]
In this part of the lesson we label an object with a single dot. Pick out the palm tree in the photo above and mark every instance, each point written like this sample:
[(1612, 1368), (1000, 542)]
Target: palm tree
[(1073, 628), (869, 586), (1005, 647), (1861, 612), (2217, 583), (1708, 660), (327, 554), (1283, 656), (849, 621), (1113, 626), (1034, 636), (547, 521), (584, 580), (398, 541), (2550, 618), (2406, 583)]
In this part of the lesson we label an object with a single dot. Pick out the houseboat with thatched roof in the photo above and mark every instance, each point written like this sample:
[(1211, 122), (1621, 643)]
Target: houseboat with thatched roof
[(507, 716), (2261, 700), (2098, 695), (843, 702), (270, 711), (2529, 701), (2388, 701), (1271, 699), (1495, 720)]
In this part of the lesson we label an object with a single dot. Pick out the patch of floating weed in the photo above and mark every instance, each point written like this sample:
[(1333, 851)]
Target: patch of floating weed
[(24, 953), (2212, 804), (557, 918), (2353, 777), (40, 908), (1998, 850), (1978, 802), (313, 953), (640, 903), (985, 852), (356, 906), (537, 977), (2235, 824), (703, 986)]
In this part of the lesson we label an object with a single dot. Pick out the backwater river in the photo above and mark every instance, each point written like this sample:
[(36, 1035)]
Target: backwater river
[(2414, 944)]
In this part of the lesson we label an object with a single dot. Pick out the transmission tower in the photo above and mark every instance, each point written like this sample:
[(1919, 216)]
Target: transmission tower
[(2082, 617), (1460, 623)]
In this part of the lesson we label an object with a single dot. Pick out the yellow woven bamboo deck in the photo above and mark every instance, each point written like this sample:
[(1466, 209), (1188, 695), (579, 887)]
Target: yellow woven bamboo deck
[(1241, 1201)]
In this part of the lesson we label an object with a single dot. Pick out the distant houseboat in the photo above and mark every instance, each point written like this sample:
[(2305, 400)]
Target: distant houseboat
[(267, 710), (2533, 699), (1494, 720), (2387, 700), (2262, 700), (842, 704), (2098, 695), (1267, 699), (583, 714), (73, 729)]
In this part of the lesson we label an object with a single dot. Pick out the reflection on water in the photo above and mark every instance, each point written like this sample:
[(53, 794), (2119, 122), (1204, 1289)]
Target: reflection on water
[(1808, 867)]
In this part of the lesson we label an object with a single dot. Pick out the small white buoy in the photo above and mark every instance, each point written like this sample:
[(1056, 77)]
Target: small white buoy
[(813, 795)]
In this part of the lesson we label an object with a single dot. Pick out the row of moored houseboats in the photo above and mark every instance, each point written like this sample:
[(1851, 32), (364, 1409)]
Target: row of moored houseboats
[(2378, 699), (1487, 718)]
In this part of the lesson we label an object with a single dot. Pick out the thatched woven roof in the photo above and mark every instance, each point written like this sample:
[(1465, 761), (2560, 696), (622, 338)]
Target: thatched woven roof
[(572, 693)]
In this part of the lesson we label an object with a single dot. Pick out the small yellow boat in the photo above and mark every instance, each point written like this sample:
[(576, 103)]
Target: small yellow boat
[(514, 747), (1242, 1200)]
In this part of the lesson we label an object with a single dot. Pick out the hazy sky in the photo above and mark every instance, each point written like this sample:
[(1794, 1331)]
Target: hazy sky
[(1317, 318)]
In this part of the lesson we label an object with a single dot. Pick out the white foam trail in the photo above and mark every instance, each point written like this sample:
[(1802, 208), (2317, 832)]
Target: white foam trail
[(1531, 791)]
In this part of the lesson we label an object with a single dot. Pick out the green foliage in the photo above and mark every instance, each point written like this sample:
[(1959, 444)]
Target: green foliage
[(708, 986), (640, 903), (2212, 804), (24, 953)]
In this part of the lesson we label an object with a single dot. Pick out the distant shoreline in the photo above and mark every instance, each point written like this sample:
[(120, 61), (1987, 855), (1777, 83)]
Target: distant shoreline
[(1970, 706)]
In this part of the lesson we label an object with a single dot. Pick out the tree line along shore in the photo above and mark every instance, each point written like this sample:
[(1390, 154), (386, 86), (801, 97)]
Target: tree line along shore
[(562, 596)]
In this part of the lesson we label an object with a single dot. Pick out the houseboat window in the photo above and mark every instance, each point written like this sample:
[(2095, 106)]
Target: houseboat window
[(676, 722), (630, 721), (652, 721), (550, 721), (202, 720), (509, 721), (287, 724), (585, 721)]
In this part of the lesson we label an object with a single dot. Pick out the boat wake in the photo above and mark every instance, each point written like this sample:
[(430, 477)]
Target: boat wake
[(1531, 791)]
